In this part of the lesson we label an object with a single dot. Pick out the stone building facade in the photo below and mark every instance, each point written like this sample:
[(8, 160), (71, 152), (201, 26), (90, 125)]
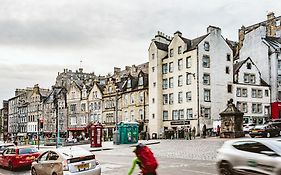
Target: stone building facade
[(4, 120), (186, 77), (262, 43)]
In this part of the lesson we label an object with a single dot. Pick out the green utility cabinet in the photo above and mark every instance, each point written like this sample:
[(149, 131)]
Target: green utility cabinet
[(128, 132)]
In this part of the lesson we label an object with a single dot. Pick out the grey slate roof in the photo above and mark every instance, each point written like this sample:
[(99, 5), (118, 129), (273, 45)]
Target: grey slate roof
[(161, 46)]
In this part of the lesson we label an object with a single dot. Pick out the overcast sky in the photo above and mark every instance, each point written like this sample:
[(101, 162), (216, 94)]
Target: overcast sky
[(38, 39)]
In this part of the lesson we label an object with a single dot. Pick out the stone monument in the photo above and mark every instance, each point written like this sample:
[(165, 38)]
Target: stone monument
[(231, 122)]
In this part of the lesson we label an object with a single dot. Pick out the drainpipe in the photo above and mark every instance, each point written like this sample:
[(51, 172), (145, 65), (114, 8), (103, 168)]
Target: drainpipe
[(198, 100)]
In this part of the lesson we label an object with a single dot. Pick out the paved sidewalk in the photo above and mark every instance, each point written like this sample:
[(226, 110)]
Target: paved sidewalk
[(106, 145)]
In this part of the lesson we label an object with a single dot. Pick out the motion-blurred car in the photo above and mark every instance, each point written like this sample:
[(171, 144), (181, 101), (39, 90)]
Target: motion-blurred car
[(18, 156), (3, 146), (66, 161), (248, 126), (250, 156), (266, 130)]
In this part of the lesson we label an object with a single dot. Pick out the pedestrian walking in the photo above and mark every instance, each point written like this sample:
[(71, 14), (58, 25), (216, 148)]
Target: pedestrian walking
[(190, 133), (204, 130), (194, 132), (145, 160), (218, 130)]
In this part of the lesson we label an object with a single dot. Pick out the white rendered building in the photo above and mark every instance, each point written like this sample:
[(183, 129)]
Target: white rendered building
[(188, 81)]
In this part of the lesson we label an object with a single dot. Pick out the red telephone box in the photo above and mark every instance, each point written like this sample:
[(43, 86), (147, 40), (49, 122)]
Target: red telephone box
[(96, 135)]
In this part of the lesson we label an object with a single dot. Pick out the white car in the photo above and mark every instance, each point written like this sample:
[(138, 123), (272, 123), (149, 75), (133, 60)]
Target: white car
[(250, 156), (66, 161), (247, 127)]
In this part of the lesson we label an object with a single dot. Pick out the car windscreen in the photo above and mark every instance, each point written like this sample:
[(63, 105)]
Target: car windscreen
[(28, 150)]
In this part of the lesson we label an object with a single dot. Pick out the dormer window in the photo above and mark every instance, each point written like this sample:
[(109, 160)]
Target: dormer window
[(129, 83), (109, 89), (249, 65), (206, 46), (140, 81)]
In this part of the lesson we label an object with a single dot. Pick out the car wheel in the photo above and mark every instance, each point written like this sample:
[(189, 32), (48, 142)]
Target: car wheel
[(252, 136), (268, 135), (225, 169), (33, 171), (10, 166)]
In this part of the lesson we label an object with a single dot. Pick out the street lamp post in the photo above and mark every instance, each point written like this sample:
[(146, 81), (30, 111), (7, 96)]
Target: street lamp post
[(57, 119)]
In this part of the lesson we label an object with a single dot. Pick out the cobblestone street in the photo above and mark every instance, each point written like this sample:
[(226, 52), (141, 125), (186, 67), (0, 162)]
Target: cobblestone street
[(192, 157)]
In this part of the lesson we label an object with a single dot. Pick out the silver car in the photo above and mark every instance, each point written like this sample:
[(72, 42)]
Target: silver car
[(250, 156), (66, 161)]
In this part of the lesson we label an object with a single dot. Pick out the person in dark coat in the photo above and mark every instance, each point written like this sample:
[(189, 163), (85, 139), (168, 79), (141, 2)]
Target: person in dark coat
[(204, 130)]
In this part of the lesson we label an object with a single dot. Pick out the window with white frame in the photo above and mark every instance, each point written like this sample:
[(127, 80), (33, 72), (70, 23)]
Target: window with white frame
[(266, 93), (165, 83), (180, 64), (83, 107), (165, 99), (129, 83), (188, 96), (207, 95), (140, 81), (171, 98), (179, 50), (171, 52), (83, 119), (246, 78), (165, 68), (179, 80), (189, 113), (73, 120), (175, 114), (244, 92), (252, 78), (206, 79), (188, 62), (254, 93), (180, 97), (259, 93), (256, 108), (207, 113), (206, 46), (165, 115), (181, 114), (238, 92), (206, 61), (171, 67), (171, 82), (242, 106), (188, 78)]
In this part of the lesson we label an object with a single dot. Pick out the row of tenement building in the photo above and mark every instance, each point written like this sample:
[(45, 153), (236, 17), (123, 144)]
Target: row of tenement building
[(186, 83)]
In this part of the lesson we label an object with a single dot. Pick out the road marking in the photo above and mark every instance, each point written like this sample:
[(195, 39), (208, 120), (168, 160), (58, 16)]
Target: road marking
[(194, 171)]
